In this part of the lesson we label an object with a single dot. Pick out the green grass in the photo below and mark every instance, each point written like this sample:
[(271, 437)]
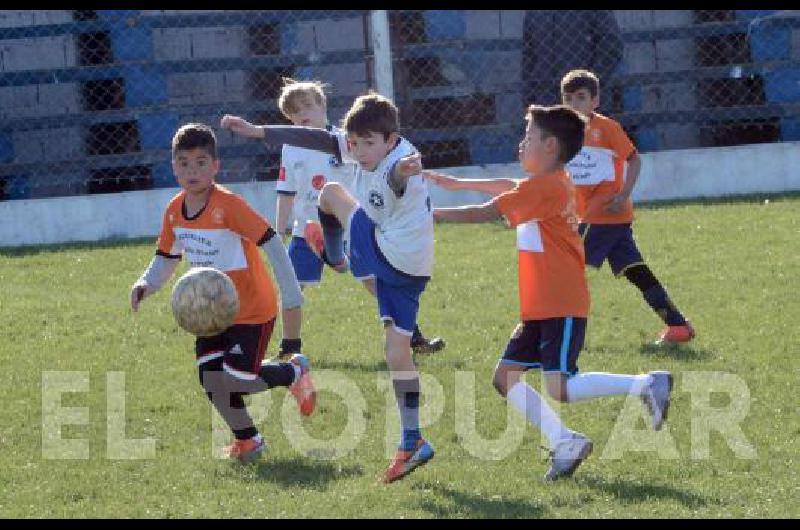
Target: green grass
[(731, 266)]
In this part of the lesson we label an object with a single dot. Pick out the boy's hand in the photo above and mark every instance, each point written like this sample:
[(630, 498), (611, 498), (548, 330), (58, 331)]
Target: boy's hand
[(241, 126), (138, 292), (617, 203), (440, 179), (408, 166)]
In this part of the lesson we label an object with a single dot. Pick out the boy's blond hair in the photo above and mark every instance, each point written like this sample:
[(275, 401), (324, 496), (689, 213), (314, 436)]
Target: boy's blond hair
[(293, 91)]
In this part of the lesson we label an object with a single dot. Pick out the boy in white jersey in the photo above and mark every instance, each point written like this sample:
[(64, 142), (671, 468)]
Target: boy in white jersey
[(389, 226), (303, 173)]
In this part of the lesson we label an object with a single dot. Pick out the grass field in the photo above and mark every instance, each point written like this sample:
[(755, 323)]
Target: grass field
[(731, 266)]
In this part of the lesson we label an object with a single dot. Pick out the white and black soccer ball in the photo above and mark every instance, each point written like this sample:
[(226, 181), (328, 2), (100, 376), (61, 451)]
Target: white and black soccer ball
[(204, 301)]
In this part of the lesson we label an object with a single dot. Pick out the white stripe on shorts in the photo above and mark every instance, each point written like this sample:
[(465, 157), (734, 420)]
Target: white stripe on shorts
[(209, 357), (245, 376)]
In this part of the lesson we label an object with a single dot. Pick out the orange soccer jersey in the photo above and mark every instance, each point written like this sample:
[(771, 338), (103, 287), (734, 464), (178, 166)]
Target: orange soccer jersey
[(223, 235), (551, 260), (598, 171)]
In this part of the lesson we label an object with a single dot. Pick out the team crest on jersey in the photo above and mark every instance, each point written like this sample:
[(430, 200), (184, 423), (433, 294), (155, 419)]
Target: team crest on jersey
[(317, 181), (376, 199), (595, 134), (218, 215)]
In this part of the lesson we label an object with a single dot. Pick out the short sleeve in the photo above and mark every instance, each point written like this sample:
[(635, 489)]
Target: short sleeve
[(244, 220), (620, 143), (529, 201), (167, 245)]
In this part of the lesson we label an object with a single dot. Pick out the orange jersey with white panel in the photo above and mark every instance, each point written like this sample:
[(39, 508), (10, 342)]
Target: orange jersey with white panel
[(551, 261), (224, 235), (598, 171)]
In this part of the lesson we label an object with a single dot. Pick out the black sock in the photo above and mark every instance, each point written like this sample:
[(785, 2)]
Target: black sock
[(417, 337), (333, 234), (281, 374), (655, 295)]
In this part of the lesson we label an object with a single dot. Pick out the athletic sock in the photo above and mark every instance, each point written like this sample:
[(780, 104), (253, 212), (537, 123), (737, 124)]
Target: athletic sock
[(598, 384), (538, 412)]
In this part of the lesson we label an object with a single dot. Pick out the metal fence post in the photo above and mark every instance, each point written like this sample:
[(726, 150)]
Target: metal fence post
[(381, 46)]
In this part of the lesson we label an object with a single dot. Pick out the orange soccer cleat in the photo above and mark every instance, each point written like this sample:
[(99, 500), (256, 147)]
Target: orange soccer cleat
[(676, 334)]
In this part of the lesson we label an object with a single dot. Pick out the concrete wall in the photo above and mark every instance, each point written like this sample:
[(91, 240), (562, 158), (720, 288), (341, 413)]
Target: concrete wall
[(688, 173)]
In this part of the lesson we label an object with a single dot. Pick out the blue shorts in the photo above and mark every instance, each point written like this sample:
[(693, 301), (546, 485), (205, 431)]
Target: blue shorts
[(552, 344), (398, 292), (308, 267), (359, 268), (613, 242)]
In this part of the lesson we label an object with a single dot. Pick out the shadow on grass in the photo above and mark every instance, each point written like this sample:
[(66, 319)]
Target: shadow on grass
[(680, 352), (33, 250), (626, 491), (369, 366), (302, 472), (465, 504)]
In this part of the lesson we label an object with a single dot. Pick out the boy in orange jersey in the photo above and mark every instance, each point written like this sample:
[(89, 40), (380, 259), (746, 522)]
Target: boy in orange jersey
[(554, 298), (214, 227), (604, 201)]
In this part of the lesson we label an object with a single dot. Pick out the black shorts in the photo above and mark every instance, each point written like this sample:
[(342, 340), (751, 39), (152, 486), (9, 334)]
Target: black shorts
[(239, 349), (551, 344), (614, 243)]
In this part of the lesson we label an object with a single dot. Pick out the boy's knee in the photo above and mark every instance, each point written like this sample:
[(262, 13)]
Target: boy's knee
[(329, 189), (503, 380), (499, 385), (557, 388)]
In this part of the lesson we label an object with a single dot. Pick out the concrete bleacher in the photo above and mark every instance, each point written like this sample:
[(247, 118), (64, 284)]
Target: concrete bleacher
[(89, 100), (107, 90)]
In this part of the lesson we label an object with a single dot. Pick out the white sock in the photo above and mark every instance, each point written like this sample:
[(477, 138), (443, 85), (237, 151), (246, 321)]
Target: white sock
[(525, 399), (599, 384)]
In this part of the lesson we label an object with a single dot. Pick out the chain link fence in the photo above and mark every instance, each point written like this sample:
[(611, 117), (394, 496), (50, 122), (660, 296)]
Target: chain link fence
[(89, 100)]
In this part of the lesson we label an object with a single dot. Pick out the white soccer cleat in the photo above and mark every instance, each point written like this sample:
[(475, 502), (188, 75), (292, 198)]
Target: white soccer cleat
[(567, 455), (656, 397)]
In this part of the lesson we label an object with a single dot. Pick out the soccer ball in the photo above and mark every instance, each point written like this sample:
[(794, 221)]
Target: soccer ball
[(204, 301)]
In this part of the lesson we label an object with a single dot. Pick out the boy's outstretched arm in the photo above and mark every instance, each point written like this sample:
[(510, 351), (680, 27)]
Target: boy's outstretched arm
[(291, 296), (475, 213), (306, 137), (490, 186), (404, 169), (617, 202), (241, 127), (160, 270)]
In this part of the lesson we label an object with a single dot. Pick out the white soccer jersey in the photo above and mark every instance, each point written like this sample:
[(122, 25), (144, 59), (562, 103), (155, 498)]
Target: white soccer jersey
[(404, 225), (303, 173)]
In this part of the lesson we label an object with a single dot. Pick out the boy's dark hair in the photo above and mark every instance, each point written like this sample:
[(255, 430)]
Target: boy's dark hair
[(563, 123), (575, 80), (371, 113), (195, 136)]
